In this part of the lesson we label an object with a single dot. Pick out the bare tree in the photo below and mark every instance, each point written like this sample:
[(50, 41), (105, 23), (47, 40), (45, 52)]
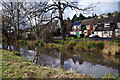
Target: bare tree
[(15, 13), (57, 10), (34, 13)]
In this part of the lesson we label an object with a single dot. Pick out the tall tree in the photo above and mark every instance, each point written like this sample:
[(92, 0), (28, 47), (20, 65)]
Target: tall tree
[(81, 17), (109, 14), (68, 19), (13, 12), (58, 7), (74, 18)]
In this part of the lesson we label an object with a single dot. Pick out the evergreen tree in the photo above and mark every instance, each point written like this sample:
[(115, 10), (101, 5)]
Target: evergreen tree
[(68, 19), (109, 14), (74, 17), (81, 17)]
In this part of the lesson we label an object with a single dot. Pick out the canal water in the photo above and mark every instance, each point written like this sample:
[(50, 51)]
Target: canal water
[(89, 63)]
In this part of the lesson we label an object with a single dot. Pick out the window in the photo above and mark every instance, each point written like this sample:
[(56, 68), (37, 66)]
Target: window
[(74, 27), (87, 26), (117, 32), (105, 32), (107, 25), (95, 26), (85, 32), (118, 24), (78, 26)]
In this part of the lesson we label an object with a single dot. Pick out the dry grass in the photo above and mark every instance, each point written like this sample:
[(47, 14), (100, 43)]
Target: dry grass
[(90, 45), (19, 67), (111, 48)]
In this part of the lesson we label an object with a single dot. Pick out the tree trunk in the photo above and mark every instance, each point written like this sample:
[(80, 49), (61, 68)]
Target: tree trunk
[(15, 29), (18, 20), (61, 22)]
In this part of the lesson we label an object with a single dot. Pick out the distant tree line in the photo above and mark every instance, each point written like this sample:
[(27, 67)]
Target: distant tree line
[(82, 17)]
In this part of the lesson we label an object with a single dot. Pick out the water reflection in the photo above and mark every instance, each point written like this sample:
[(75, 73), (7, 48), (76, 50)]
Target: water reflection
[(89, 63)]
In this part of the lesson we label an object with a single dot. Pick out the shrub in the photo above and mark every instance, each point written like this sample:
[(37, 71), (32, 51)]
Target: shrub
[(48, 37), (61, 42), (80, 46), (21, 42), (82, 35), (111, 48), (16, 53), (111, 77), (70, 44), (40, 42), (100, 44), (90, 45)]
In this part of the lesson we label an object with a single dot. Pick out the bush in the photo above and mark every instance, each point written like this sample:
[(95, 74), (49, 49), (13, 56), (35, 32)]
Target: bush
[(90, 45), (40, 42), (21, 42), (111, 77), (82, 35), (70, 45), (16, 53), (111, 48), (61, 42), (48, 37), (80, 46), (100, 44)]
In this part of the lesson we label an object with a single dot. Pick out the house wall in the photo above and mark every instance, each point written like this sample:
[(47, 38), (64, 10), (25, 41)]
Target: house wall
[(75, 27), (85, 32), (109, 34), (87, 27), (71, 32), (117, 32), (80, 32), (91, 27), (95, 32), (99, 33), (88, 32), (118, 24), (104, 34)]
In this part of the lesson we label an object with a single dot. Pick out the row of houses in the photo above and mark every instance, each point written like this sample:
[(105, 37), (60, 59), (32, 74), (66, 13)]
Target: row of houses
[(103, 27)]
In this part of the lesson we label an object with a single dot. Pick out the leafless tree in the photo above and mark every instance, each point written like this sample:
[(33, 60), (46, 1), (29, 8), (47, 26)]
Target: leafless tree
[(57, 10), (14, 13)]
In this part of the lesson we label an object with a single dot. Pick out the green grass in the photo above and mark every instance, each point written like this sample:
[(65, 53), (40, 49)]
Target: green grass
[(18, 67), (90, 45), (117, 40), (111, 77), (78, 38)]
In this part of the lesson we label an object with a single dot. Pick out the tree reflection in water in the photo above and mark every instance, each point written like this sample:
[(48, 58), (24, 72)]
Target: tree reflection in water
[(85, 62)]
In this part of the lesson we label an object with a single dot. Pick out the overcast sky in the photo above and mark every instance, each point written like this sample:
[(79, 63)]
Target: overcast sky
[(104, 6)]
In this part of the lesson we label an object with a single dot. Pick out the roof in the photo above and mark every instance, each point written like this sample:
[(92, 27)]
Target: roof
[(77, 23), (87, 22), (108, 19)]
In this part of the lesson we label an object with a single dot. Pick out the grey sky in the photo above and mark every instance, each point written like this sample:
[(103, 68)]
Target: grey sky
[(102, 7)]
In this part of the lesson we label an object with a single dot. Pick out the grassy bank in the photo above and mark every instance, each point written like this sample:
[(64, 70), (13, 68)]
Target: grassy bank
[(106, 47), (78, 38), (18, 67)]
